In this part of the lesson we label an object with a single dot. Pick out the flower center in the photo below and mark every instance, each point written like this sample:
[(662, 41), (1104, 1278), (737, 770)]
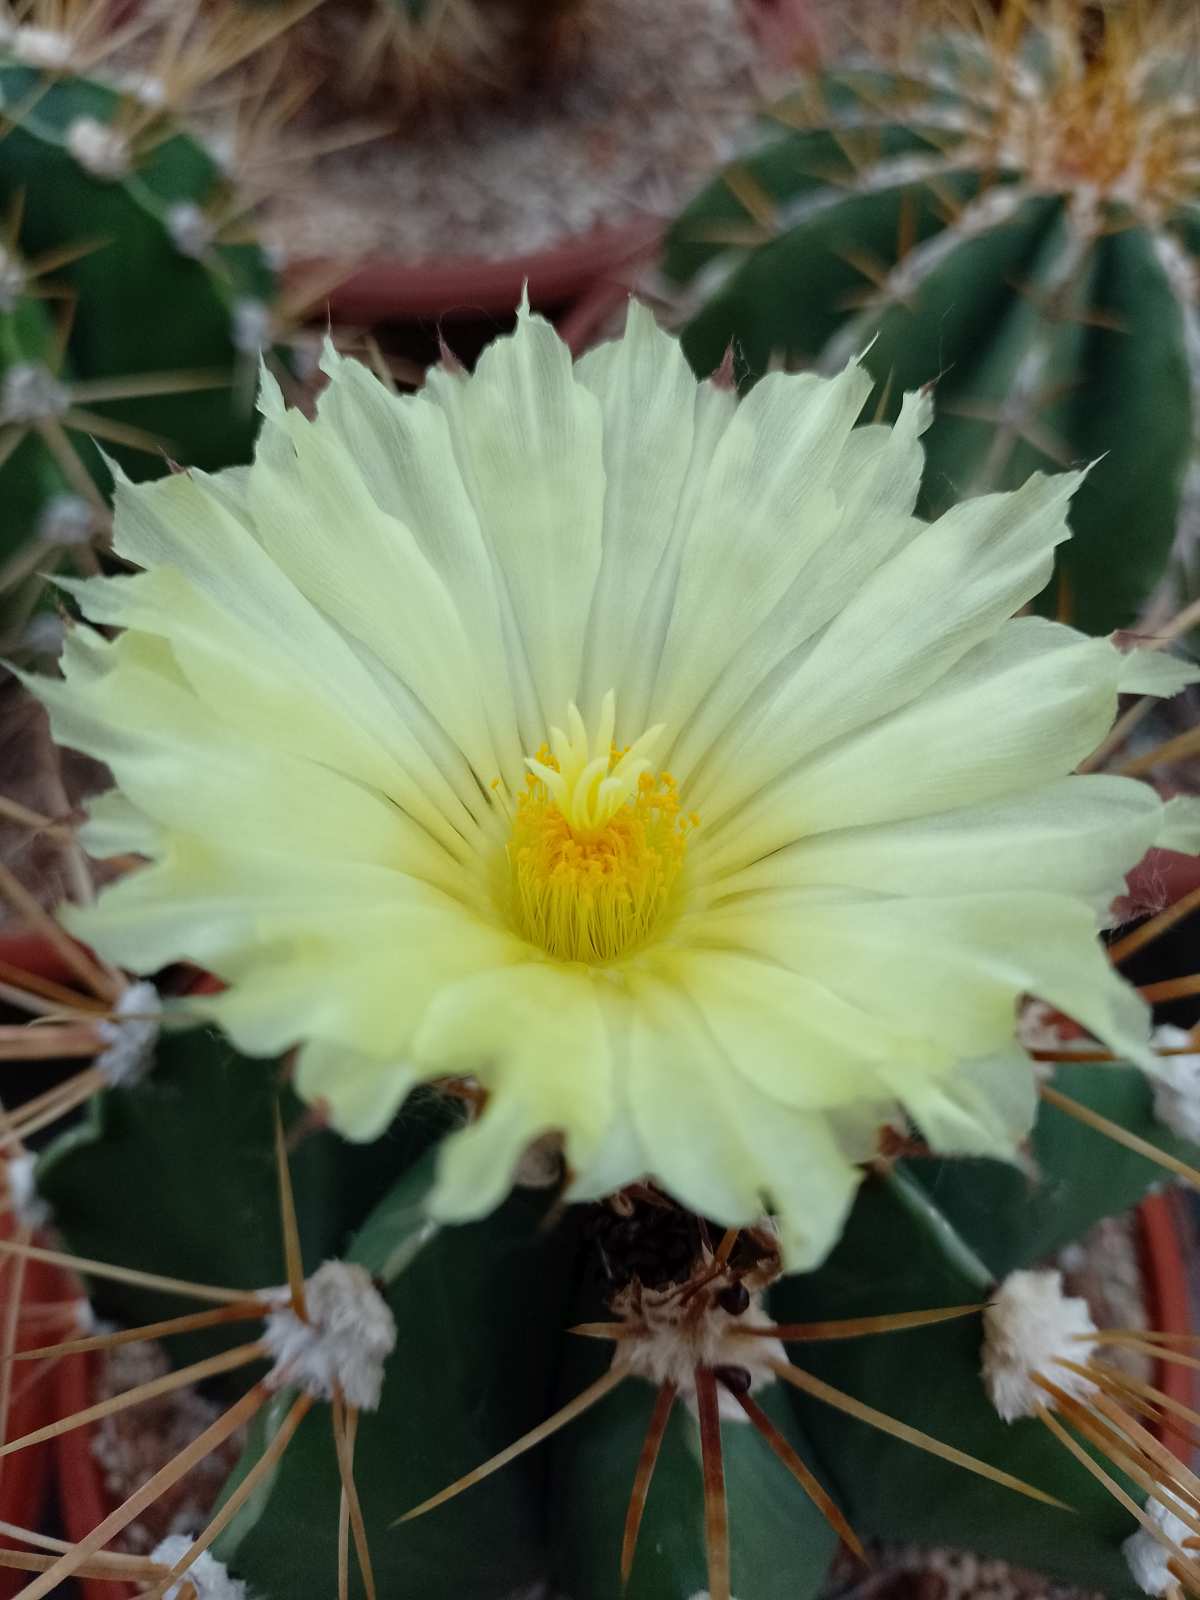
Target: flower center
[(597, 842)]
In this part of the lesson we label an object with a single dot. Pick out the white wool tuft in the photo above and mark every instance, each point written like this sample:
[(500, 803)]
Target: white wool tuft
[(206, 1574), (44, 634), (344, 1344), (250, 329), (99, 149), (143, 86), (27, 1205), (1176, 1084), (1147, 1558), (190, 227), (42, 47), (31, 393), (12, 279), (130, 1036), (67, 519), (1029, 1325)]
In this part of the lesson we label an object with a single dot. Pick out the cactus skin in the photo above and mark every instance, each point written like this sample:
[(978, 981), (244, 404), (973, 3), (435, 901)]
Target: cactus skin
[(959, 208), (154, 290)]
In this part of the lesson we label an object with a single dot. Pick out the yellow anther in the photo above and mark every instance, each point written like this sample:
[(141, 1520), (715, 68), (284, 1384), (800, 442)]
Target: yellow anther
[(597, 842)]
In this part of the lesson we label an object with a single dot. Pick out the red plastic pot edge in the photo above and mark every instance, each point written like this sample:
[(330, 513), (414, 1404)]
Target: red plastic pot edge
[(391, 289), (84, 1502), (33, 953), (1162, 1225), (25, 1481)]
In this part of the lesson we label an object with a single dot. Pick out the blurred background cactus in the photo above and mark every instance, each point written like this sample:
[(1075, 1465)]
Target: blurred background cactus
[(134, 300), (398, 58), (1006, 205)]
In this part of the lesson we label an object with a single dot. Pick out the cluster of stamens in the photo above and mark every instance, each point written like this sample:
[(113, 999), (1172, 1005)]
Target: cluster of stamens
[(598, 841)]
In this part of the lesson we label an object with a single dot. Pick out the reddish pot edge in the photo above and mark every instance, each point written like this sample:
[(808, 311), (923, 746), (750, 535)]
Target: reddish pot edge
[(25, 1481), (83, 1499), (1162, 1225), (33, 953), (393, 290)]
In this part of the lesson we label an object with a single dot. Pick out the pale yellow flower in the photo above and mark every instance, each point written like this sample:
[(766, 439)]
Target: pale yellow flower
[(634, 751)]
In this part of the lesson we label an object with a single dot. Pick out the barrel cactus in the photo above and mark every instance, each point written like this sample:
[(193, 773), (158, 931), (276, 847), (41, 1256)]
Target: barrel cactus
[(1006, 206), (409, 57), (609, 1180), (134, 302)]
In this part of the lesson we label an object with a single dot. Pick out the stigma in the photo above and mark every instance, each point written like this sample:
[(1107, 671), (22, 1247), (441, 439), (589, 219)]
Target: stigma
[(598, 841)]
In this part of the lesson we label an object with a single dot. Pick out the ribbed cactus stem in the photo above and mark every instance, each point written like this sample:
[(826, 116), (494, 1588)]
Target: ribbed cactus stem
[(1008, 210)]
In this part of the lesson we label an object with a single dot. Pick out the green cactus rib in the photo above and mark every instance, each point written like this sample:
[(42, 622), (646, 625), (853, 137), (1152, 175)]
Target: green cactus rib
[(483, 1353), (118, 217), (1056, 318)]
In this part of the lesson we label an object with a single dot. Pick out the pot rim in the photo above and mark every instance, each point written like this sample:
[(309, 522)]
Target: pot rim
[(386, 289)]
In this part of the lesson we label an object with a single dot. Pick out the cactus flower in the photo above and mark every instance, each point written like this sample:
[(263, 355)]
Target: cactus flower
[(633, 752)]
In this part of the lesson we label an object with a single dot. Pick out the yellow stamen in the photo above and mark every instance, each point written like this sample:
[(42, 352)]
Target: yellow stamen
[(597, 842)]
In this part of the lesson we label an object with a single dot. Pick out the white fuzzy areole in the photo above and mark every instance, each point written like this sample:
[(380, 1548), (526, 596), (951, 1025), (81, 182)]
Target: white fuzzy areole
[(1176, 1084), (28, 1207), (191, 228), (250, 326), (342, 1347), (206, 1574), (67, 519), (1028, 1327), (681, 1337), (31, 393), (47, 48), (99, 148), (130, 1035), (1147, 1558)]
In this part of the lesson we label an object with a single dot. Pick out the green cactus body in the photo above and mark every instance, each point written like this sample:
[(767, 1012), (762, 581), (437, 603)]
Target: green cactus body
[(119, 221), (1019, 227), (45, 515), (484, 1354)]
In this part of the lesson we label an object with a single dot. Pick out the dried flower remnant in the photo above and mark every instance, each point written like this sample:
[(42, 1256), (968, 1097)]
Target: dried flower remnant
[(707, 1341)]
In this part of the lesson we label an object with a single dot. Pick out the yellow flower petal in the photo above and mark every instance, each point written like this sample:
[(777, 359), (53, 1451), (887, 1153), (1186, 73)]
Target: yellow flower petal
[(637, 754)]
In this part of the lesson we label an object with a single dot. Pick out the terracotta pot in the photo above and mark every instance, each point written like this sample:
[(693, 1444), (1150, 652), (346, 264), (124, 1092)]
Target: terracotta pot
[(562, 279), (391, 290)]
